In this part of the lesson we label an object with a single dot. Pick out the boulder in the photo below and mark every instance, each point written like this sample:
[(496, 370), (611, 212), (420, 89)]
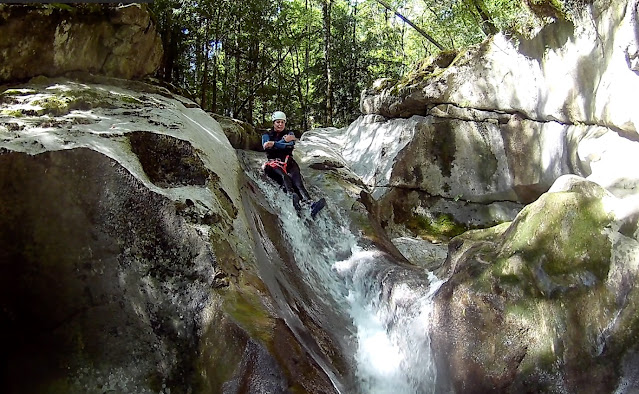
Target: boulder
[(545, 303), (472, 137), (572, 71), (116, 41), (241, 135), (127, 263), (103, 283)]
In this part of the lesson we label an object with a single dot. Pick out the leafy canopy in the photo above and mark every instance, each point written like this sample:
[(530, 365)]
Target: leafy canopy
[(312, 58)]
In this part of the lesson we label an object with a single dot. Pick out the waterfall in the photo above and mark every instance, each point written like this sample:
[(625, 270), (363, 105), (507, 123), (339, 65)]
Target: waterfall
[(387, 304), (391, 314)]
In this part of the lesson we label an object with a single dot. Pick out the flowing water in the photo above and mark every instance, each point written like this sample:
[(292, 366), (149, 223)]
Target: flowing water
[(386, 305)]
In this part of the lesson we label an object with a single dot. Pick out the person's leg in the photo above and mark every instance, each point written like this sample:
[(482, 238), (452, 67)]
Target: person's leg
[(297, 180), (279, 176)]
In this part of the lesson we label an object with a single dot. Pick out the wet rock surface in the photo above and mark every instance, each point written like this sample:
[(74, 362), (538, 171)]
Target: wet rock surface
[(137, 257), (101, 278), (128, 266)]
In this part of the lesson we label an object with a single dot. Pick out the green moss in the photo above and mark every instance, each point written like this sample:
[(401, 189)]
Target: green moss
[(52, 105), (61, 6), (18, 92), (86, 99), (12, 112), (548, 8), (486, 234), (89, 8), (557, 244), (64, 102), (541, 318), (581, 241), (130, 99), (246, 309), (443, 226), (428, 69)]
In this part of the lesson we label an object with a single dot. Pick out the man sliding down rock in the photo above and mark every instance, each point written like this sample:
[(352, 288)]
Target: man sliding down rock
[(281, 166)]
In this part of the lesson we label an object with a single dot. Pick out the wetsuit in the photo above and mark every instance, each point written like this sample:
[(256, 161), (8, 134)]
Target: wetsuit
[(282, 168)]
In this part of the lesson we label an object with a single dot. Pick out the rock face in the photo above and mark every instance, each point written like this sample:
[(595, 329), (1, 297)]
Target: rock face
[(127, 264), (571, 72), (241, 135), (539, 132), (545, 304), (138, 258), (114, 41), (106, 297), (474, 137)]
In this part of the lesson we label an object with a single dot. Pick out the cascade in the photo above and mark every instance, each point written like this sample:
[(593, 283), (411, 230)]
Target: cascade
[(385, 304)]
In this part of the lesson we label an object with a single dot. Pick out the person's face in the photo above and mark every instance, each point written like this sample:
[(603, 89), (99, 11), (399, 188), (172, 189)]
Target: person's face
[(278, 125)]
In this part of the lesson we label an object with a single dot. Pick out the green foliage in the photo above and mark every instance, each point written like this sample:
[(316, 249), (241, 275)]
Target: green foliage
[(247, 59)]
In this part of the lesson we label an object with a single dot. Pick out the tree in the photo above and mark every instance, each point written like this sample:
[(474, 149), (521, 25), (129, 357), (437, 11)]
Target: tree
[(487, 25), (411, 24), (309, 58), (327, 6)]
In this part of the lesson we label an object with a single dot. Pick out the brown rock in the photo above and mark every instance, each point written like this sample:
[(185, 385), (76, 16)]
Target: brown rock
[(115, 41)]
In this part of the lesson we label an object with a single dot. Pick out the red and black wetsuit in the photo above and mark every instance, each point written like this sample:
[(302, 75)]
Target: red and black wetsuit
[(281, 166)]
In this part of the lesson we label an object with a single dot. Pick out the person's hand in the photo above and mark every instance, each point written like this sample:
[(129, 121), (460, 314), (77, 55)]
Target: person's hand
[(289, 138), (268, 144)]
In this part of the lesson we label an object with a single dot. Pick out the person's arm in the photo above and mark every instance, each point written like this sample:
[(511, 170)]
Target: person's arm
[(266, 144), (290, 137), (281, 144)]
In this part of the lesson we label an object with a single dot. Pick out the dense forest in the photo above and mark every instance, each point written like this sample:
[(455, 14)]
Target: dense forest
[(312, 58)]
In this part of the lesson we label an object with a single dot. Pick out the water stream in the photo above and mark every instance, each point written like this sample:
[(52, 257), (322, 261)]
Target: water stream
[(384, 304)]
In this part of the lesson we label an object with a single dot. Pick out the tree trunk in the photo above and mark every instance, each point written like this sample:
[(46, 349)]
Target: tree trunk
[(326, 11), (354, 57), (411, 24), (254, 56), (170, 49), (297, 76), (205, 72), (307, 56), (214, 85), (486, 25), (214, 71), (236, 77), (261, 83)]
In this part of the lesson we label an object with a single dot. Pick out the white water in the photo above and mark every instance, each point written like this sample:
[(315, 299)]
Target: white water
[(393, 345)]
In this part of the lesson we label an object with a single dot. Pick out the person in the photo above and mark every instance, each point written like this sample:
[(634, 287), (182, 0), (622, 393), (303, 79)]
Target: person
[(282, 167)]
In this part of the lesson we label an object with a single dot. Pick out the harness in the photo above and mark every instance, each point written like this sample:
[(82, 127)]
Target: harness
[(277, 163)]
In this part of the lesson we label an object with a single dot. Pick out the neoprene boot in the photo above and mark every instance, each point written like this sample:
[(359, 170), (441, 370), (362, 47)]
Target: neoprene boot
[(317, 206), (296, 202)]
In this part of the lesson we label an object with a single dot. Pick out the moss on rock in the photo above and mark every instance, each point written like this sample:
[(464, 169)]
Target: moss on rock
[(542, 285), (441, 227), (15, 113), (63, 102), (561, 242)]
